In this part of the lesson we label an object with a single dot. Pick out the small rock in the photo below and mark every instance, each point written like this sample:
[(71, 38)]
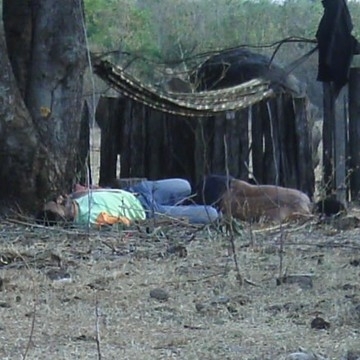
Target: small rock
[(83, 338), (320, 324), (349, 287), (241, 299), (232, 309), (304, 281), (346, 223), (220, 300), (58, 275), (159, 294), (289, 306), (236, 348), (305, 355), (182, 270), (165, 308), (177, 250), (100, 283), (200, 307), (352, 355), (355, 262), (356, 312), (319, 258), (207, 308), (301, 356), (274, 309)]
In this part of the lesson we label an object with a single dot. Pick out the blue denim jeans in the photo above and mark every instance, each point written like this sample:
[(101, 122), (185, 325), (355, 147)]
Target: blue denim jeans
[(164, 197)]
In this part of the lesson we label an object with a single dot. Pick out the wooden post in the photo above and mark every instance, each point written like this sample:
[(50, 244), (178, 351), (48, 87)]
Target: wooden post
[(328, 137), (305, 177), (340, 154), (83, 164), (271, 150), (233, 136), (218, 151), (201, 152), (243, 120), (155, 134), (108, 116), (354, 127), (257, 141), (137, 140)]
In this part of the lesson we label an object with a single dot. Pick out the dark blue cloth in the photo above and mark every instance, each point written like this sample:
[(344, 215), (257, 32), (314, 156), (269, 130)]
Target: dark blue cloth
[(336, 44)]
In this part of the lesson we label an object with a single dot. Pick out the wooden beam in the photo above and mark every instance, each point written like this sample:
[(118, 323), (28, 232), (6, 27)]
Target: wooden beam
[(354, 127), (108, 116), (340, 153)]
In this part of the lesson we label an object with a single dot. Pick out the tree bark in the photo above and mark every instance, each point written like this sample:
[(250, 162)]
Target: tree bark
[(19, 153), (47, 52), (18, 28)]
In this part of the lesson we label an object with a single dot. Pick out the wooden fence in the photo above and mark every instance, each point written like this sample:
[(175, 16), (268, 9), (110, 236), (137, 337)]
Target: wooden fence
[(272, 138)]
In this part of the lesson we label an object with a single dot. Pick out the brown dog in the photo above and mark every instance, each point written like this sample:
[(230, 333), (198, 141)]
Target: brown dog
[(272, 203)]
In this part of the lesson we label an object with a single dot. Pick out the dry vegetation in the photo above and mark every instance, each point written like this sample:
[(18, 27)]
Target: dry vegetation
[(104, 310)]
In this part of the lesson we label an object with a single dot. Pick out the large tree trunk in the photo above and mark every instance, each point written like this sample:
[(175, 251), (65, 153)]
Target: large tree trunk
[(18, 140), (46, 47)]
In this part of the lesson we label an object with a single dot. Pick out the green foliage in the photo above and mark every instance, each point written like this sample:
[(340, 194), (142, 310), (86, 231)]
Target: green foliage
[(118, 25), (172, 30)]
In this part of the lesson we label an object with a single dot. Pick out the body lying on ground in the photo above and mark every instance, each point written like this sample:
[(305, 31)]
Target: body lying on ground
[(248, 202), (147, 199)]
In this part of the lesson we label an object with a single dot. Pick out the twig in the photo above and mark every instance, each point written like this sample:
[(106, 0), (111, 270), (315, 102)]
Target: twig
[(32, 329), (98, 341), (325, 245), (110, 246), (191, 327), (278, 228), (48, 228), (249, 282), (281, 251), (232, 242), (206, 277), (231, 222)]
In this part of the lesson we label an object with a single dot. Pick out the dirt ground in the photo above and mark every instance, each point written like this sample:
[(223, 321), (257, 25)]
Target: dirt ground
[(171, 291)]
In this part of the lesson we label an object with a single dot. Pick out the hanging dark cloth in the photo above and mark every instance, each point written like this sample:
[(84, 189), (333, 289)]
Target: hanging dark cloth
[(336, 44)]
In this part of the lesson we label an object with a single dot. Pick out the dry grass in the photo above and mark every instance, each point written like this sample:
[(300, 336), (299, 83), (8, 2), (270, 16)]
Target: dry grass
[(106, 308), (208, 315)]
